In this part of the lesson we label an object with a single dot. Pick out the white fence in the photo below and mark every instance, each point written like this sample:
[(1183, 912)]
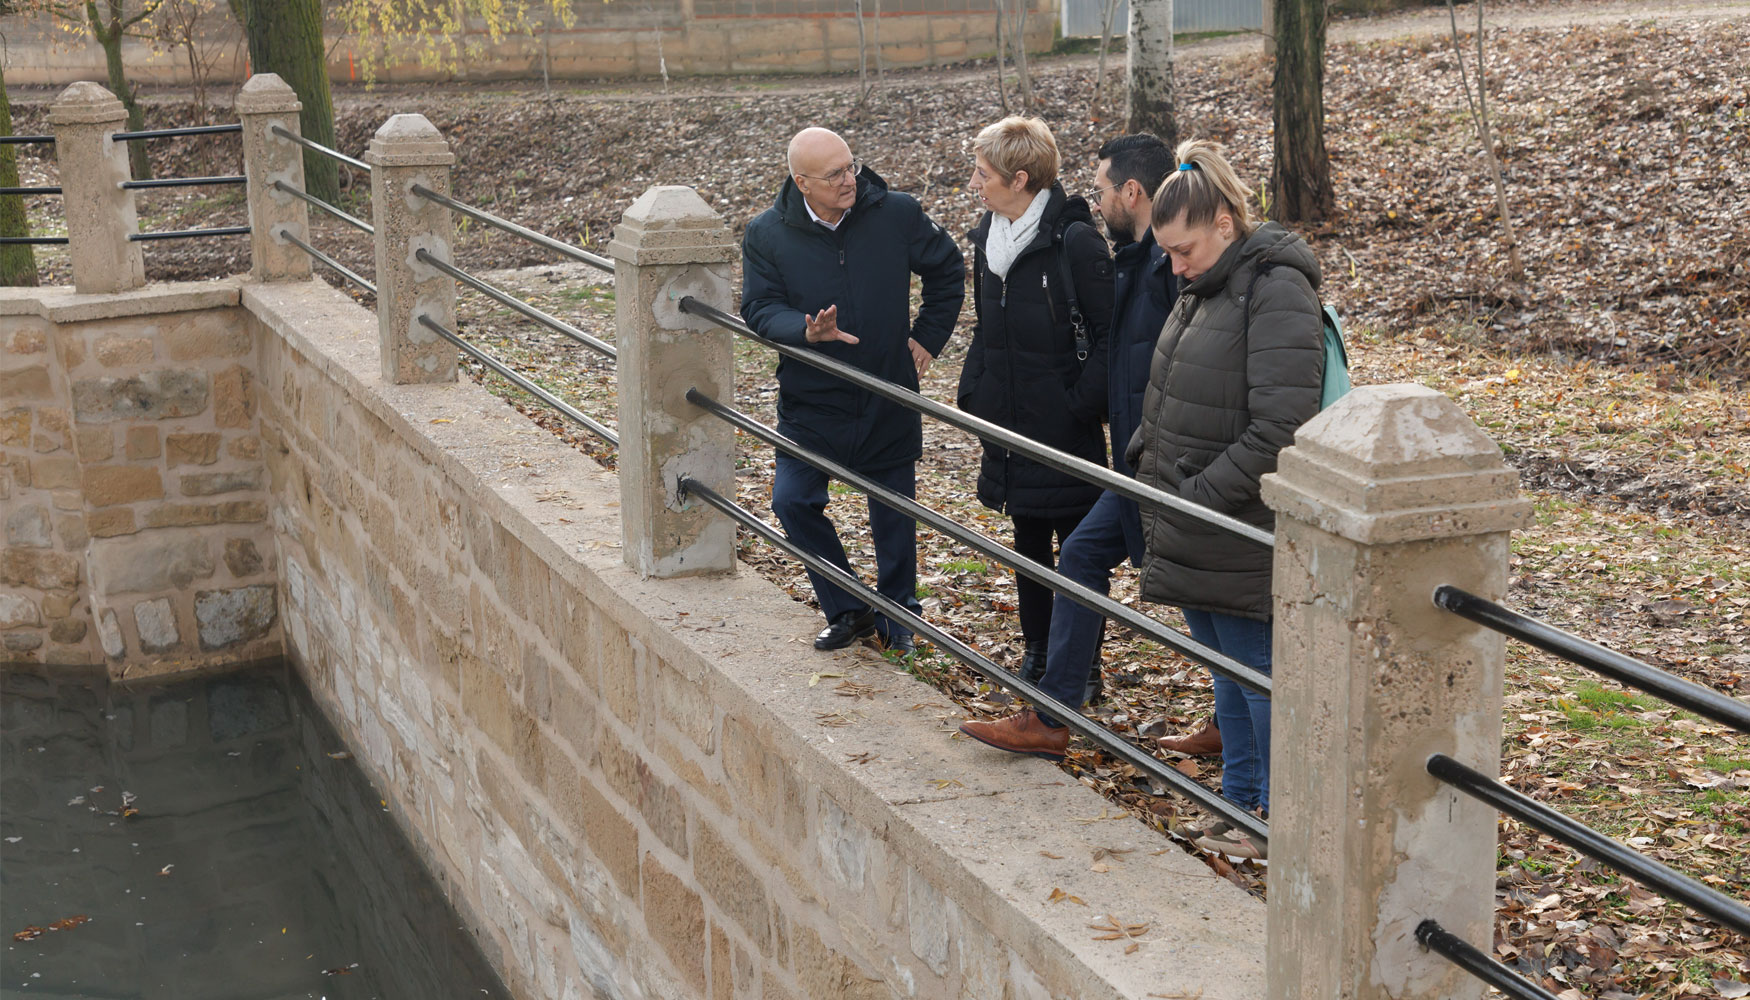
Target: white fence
[(1081, 18)]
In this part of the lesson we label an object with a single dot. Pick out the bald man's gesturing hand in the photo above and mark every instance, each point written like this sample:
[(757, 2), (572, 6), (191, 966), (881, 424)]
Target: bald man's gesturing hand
[(824, 326)]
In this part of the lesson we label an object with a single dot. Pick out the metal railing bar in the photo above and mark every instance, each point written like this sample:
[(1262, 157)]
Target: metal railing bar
[(1099, 475), (520, 382), (188, 234), (19, 140), (545, 319), (323, 258), (1584, 653), (47, 189), (1461, 953), (165, 133), (284, 133), (540, 239), (32, 240), (1087, 597), (1714, 905), (171, 182), (1106, 740), (341, 214)]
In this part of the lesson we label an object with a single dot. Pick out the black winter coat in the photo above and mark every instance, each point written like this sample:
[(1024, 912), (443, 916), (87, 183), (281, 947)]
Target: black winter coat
[(1143, 290), (1021, 368), (1220, 406), (792, 265)]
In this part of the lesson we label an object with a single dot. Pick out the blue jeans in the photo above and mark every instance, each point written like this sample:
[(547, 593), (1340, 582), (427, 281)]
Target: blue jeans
[(799, 499), (1242, 714), (1096, 547)]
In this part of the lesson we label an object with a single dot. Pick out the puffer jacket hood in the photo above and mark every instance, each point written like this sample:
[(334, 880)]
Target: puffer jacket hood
[(1223, 400)]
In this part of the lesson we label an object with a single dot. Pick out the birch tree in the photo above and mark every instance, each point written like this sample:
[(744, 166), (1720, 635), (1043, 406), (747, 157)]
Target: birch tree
[(1149, 103)]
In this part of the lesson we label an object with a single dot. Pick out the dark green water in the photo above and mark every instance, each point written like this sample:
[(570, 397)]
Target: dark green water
[(258, 864)]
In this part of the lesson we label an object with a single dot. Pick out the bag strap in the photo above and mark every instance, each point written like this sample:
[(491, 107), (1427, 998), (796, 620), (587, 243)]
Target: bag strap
[(1078, 324)]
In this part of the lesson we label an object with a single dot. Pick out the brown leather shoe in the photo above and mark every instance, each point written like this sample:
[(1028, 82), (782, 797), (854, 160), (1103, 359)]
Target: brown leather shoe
[(1205, 742), (1021, 733)]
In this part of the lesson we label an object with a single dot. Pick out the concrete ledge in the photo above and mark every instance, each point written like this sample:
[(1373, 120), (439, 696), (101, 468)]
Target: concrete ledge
[(747, 830), (61, 304)]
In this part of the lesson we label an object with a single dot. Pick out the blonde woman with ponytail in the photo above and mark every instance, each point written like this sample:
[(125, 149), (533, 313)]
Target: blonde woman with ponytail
[(1235, 373)]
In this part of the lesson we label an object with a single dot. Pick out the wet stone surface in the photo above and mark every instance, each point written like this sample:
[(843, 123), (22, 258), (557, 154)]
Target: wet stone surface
[(198, 840)]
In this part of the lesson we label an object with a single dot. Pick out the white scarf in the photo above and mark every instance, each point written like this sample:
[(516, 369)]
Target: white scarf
[(1007, 239)]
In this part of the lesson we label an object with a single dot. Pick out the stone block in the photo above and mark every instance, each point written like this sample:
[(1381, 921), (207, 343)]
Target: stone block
[(40, 568), (227, 617), (537, 687), (59, 605), (611, 837), (242, 558), (247, 448), (56, 472), (191, 449), (22, 641), (145, 565), (572, 712), (68, 631), (116, 350), (732, 884), (722, 965), (182, 515), (108, 485), (15, 427), (28, 527), (143, 444), (620, 657), (109, 633), (26, 383), (201, 336), (112, 522), (156, 622), (675, 918), (825, 973), (843, 844), (766, 782), (206, 484), (234, 397), (18, 611), (94, 444), (153, 395), (929, 918), (29, 341), (686, 705)]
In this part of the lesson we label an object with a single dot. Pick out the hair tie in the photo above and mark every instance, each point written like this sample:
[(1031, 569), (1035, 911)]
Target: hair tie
[(1187, 166)]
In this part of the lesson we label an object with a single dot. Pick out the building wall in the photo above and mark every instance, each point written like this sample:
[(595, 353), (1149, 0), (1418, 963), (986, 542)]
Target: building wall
[(131, 481), (679, 37)]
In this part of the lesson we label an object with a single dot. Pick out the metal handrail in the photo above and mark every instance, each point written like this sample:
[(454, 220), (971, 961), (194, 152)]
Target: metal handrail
[(20, 140), (32, 241), (1074, 720), (166, 133), (341, 214), (170, 182), (520, 382), (493, 292), (1590, 655), (1089, 598), (1083, 469), (188, 234), (1708, 902), (45, 189), (1461, 953), (539, 239), (284, 133), (285, 234)]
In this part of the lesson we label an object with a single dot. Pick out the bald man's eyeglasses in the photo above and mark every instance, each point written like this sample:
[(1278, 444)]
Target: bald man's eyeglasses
[(836, 177)]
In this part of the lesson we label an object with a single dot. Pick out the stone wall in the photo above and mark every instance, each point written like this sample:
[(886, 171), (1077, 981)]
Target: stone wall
[(606, 40), (641, 788), (131, 481)]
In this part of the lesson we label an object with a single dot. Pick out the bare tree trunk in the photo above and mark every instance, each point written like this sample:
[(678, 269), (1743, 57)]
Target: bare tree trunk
[(1108, 11), (1149, 103), (880, 63), (1479, 112), (109, 35), (1002, 88), (17, 261), (1300, 177), (285, 37), (1024, 79), (862, 55)]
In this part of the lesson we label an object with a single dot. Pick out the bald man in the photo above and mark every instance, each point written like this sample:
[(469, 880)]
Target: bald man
[(828, 267)]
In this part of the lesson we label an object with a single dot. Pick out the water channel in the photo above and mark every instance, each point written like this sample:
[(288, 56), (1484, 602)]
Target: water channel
[(208, 838)]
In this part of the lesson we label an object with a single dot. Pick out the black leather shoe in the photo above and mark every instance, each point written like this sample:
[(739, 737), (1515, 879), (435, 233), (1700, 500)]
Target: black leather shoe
[(1033, 662), (904, 644), (1096, 688), (845, 628)]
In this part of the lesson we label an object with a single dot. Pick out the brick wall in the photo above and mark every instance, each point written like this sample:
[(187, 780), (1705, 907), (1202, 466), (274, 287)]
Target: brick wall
[(131, 481)]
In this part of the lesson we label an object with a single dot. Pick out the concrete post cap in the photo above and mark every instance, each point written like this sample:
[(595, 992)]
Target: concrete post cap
[(86, 103), (1391, 463), (409, 141), (266, 93), (671, 224)]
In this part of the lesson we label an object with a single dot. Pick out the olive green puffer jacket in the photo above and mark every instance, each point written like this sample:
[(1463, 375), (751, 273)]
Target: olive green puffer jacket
[(1220, 405)]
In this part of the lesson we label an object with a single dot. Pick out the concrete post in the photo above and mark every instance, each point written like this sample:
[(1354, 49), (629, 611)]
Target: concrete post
[(1383, 497), (100, 213), (669, 245), (266, 101), (409, 150)]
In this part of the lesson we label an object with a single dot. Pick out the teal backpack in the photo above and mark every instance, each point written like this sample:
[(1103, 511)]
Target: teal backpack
[(1336, 380)]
